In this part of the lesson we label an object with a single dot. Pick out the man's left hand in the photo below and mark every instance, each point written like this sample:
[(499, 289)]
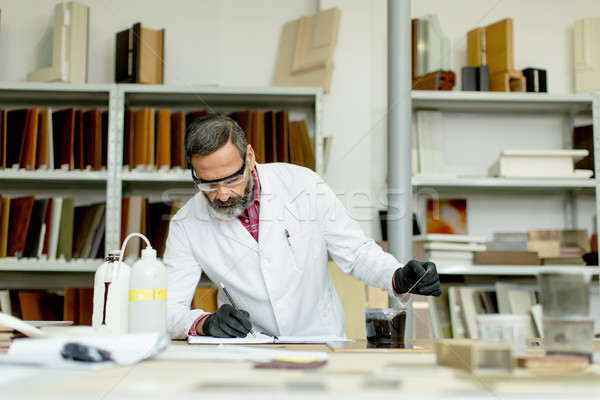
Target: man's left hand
[(406, 277)]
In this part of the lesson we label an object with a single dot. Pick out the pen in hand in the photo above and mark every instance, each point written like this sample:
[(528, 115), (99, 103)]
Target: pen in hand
[(412, 287), (233, 303)]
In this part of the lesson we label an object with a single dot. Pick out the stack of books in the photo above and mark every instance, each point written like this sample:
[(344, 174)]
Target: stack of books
[(572, 245), (448, 249), (13, 328), (545, 247), (513, 241), (6, 336), (539, 164)]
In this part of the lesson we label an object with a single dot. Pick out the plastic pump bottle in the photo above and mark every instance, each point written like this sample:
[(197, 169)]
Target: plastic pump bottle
[(148, 294), (111, 290)]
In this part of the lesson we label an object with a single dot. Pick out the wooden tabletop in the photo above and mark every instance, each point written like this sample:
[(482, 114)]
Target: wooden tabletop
[(350, 373)]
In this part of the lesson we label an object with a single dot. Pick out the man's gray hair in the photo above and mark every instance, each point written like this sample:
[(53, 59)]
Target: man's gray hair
[(210, 132)]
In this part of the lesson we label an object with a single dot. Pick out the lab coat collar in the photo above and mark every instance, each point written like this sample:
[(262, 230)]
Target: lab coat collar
[(266, 216)]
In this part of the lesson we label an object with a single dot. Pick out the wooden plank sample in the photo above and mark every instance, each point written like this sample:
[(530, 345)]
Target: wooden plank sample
[(63, 132), (257, 134), (151, 55), (499, 46), (270, 137), (44, 156), (4, 219), (104, 146), (28, 153), (92, 139), (78, 141), (65, 235), (20, 216), (177, 139), (308, 152), (476, 55), (163, 139), (512, 81), (305, 56), (2, 139), (34, 232), (141, 138), (16, 125), (139, 55), (282, 128)]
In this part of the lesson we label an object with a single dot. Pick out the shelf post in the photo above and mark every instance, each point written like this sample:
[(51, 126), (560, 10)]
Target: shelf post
[(596, 141), (399, 222), (114, 167)]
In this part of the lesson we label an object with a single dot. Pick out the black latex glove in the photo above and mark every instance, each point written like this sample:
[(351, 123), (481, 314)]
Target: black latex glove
[(227, 322), (407, 276)]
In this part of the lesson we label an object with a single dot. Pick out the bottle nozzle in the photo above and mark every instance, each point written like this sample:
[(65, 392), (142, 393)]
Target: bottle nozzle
[(149, 252)]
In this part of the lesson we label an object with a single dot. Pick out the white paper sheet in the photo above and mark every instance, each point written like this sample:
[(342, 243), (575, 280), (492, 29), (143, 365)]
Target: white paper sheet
[(261, 339), (239, 353), (26, 328), (124, 350)]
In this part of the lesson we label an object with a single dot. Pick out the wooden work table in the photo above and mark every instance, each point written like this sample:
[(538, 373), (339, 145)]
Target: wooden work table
[(351, 373)]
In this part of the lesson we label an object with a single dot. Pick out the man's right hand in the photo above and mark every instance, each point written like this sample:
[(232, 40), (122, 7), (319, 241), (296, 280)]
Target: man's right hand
[(227, 322)]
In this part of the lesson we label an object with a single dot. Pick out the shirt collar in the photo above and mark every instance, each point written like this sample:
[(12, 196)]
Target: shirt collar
[(257, 188)]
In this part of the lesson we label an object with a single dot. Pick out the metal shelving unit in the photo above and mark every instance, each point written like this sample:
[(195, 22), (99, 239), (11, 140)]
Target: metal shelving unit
[(510, 270), (500, 103), (504, 185), (53, 176), (302, 103), (13, 95), (156, 176), (58, 265)]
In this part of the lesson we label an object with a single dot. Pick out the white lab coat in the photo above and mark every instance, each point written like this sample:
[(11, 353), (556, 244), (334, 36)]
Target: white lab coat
[(284, 285)]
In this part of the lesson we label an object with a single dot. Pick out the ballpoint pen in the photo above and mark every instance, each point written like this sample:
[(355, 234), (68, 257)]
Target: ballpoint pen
[(401, 299), (233, 303)]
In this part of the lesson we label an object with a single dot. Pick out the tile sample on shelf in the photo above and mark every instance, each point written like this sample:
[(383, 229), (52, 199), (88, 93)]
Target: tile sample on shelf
[(586, 54), (447, 216)]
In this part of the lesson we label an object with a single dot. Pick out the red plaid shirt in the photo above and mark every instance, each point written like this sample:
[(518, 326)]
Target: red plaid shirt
[(249, 218)]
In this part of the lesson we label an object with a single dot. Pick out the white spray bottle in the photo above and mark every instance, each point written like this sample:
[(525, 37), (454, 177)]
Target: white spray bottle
[(147, 293), (111, 291)]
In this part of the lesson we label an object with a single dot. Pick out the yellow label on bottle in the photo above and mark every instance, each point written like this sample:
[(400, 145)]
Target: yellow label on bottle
[(147, 294)]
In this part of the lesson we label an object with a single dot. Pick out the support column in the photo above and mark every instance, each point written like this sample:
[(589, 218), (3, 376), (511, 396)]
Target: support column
[(399, 137)]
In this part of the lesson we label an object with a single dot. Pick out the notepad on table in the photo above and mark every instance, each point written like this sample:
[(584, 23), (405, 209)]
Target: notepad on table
[(262, 339)]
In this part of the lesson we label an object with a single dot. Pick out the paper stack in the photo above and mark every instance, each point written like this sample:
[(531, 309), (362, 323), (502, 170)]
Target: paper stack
[(448, 249), (539, 164), (12, 327), (6, 337)]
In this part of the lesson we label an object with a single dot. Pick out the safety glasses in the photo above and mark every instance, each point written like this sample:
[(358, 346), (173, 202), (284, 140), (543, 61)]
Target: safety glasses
[(229, 181)]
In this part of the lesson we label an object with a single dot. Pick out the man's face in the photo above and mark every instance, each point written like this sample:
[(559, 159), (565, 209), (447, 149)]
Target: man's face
[(227, 200)]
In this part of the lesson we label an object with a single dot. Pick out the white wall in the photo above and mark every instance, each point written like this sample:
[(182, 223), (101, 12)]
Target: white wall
[(543, 31), (228, 42), (235, 42)]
